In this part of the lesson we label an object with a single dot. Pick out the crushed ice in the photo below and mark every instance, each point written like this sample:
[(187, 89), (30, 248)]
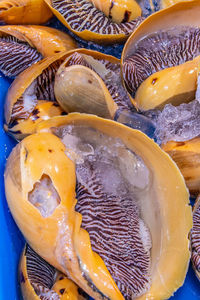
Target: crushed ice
[(119, 169), (178, 123)]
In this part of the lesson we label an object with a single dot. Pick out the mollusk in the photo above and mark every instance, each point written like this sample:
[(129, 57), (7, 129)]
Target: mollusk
[(87, 85), (80, 74), (24, 12), (119, 11), (79, 89), (195, 238), (163, 52), (21, 127), (39, 279), (89, 23), (22, 46), (37, 82), (187, 157), (129, 256), (173, 85), (32, 85)]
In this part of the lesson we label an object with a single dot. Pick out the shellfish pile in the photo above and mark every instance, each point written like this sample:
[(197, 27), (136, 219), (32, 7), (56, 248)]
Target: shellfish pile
[(107, 154)]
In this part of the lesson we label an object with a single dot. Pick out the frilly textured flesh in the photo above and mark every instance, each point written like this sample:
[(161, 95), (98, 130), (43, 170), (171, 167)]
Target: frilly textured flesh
[(89, 23), (79, 89), (44, 110), (195, 238), (54, 230), (187, 157), (24, 12), (39, 279), (22, 46), (140, 59)]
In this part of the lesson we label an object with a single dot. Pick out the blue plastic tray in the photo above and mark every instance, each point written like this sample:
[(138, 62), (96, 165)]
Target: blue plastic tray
[(12, 241)]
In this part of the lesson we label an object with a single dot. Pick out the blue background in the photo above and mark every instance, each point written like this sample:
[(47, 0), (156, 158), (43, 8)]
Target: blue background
[(12, 241)]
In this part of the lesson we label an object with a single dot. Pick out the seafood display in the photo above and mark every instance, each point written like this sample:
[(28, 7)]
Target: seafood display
[(90, 23), (162, 81), (48, 80), (60, 227), (106, 151), (160, 59), (104, 21)]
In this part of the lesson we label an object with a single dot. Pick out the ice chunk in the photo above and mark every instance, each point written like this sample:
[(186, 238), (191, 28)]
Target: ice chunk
[(44, 196), (178, 123), (133, 169), (118, 169), (75, 149)]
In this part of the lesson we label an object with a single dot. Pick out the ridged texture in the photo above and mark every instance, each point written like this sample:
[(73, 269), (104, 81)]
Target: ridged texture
[(45, 82), (82, 15), (18, 111), (44, 89), (41, 275), (16, 56), (38, 270), (113, 225), (116, 89), (159, 51), (195, 239)]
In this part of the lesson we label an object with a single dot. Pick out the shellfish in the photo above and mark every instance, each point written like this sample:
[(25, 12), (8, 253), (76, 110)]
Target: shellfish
[(162, 53), (195, 238), (187, 157), (97, 89), (161, 65), (81, 70), (61, 228), (22, 46), (79, 89), (104, 21), (89, 23), (24, 12), (43, 110), (39, 279), (118, 11), (38, 83)]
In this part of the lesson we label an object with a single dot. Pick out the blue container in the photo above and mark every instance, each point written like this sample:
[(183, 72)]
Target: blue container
[(12, 241)]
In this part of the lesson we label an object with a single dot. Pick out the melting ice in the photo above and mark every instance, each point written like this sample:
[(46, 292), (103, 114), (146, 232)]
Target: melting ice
[(119, 170)]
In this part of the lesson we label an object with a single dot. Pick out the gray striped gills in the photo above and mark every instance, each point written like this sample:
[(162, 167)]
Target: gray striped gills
[(195, 239), (113, 82), (114, 226), (45, 82), (159, 51), (40, 274), (82, 15), (16, 56)]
